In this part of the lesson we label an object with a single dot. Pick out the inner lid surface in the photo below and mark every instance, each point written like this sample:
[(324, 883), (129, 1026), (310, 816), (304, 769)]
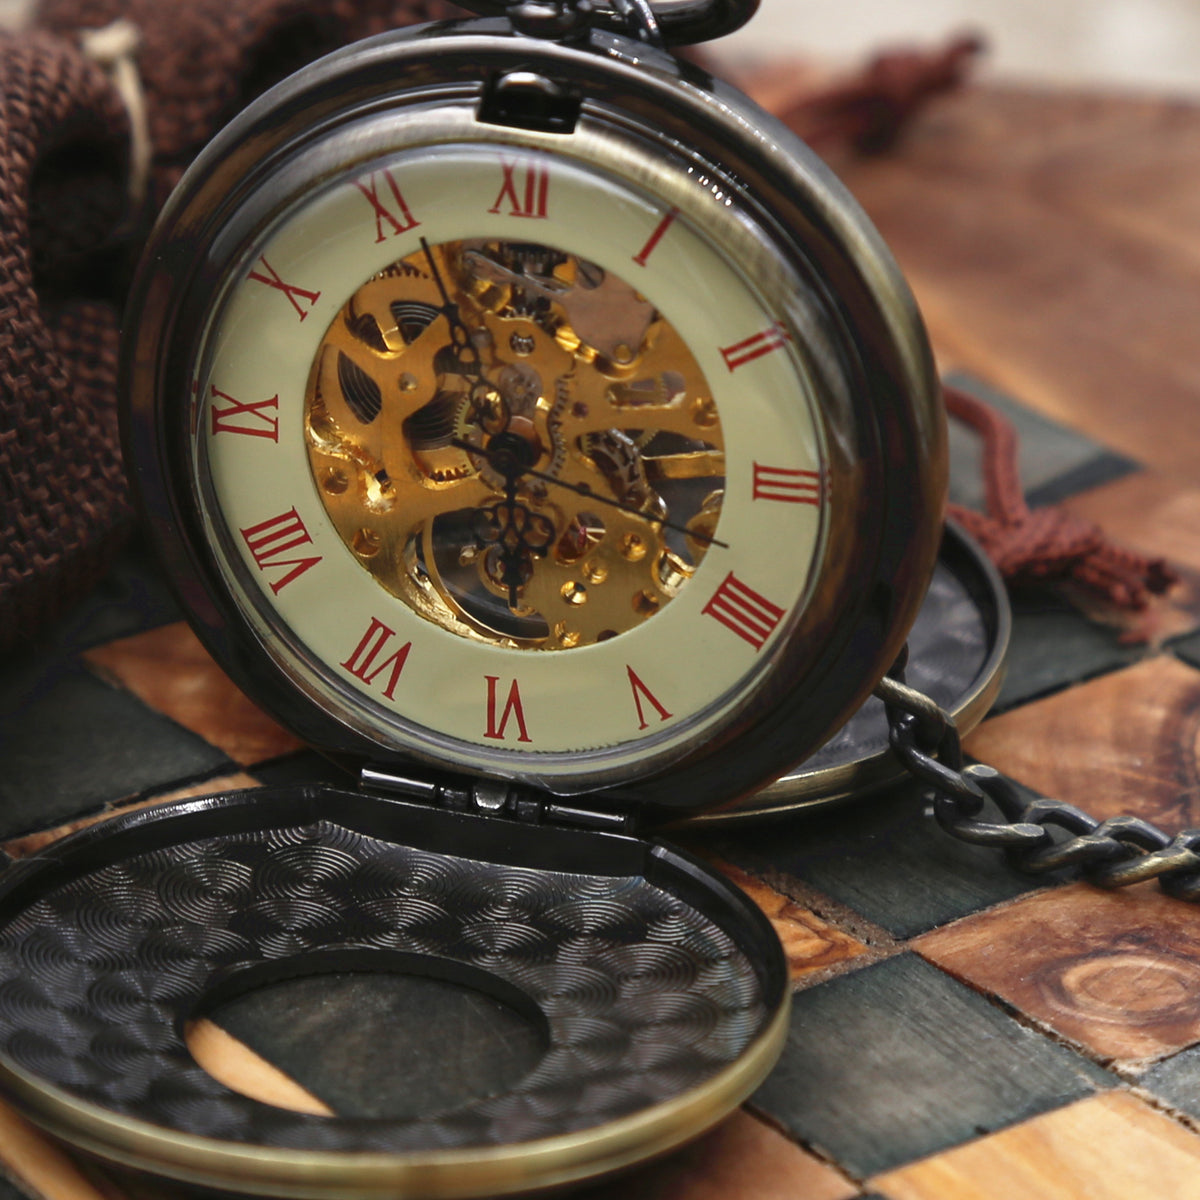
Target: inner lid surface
[(644, 995)]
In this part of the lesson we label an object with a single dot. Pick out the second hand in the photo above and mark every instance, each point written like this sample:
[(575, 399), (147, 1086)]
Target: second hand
[(508, 466)]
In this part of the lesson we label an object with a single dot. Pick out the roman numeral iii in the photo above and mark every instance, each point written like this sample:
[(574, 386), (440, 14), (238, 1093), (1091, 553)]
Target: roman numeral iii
[(787, 485), (744, 611)]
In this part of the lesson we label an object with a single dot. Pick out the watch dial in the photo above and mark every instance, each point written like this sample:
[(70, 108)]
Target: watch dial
[(516, 443), (466, 405)]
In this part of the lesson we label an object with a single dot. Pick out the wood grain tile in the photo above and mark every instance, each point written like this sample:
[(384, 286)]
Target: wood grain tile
[(1126, 742), (1160, 517), (810, 943), (234, 1064), (742, 1159), (1108, 1147), (1152, 512), (39, 1164), (32, 842), (172, 673), (898, 1060), (1116, 972), (1049, 239)]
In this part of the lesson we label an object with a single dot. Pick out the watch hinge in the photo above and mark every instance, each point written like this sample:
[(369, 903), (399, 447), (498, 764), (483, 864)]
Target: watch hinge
[(491, 798)]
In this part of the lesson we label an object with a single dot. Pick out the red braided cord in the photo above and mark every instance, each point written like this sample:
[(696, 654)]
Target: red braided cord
[(872, 108), (1045, 543)]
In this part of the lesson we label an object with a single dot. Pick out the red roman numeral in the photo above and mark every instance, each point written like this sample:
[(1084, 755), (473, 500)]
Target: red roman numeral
[(401, 220), (512, 708), (772, 338), (270, 540), (656, 237), (364, 662), (640, 690), (787, 485), (250, 419), (740, 608), (290, 290), (526, 187)]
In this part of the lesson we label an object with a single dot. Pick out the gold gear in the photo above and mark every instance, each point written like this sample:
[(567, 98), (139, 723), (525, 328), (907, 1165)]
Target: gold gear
[(615, 438)]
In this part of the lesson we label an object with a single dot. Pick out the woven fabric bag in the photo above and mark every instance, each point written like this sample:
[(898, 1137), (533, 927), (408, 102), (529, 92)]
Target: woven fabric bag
[(71, 226)]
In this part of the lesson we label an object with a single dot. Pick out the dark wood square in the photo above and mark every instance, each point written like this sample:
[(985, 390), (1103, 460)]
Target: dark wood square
[(71, 742), (1177, 1081), (885, 858), (1053, 646), (898, 1061)]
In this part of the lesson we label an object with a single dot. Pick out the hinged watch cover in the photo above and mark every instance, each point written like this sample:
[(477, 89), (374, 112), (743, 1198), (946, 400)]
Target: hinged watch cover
[(510, 399)]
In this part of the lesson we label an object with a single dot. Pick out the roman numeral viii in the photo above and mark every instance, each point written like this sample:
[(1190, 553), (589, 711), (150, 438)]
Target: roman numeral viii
[(271, 541)]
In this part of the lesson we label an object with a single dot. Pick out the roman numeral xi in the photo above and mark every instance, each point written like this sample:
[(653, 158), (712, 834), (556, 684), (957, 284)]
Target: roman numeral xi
[(390, 209), (257, 418)]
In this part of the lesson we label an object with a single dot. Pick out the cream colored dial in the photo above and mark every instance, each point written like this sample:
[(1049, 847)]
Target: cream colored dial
[(473, 403)]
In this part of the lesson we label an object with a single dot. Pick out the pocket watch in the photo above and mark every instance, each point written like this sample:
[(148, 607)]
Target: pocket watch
[(530, 421), (535, 407)]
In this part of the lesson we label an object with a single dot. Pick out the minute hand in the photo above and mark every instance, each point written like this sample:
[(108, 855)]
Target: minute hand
[(460, 335), (505, 463)]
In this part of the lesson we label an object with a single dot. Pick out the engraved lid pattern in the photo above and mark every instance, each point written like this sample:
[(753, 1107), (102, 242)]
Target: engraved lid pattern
[(644, 997)]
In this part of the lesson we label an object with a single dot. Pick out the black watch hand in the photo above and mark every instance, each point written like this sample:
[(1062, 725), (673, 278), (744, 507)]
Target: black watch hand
[(506, 463), (460, 336), (518, 535)]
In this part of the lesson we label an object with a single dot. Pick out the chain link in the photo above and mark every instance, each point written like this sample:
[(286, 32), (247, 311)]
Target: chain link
[(1038, 836)]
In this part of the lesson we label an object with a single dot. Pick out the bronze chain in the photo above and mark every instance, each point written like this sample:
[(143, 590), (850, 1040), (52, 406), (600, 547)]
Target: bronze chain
[(1040, 835)]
